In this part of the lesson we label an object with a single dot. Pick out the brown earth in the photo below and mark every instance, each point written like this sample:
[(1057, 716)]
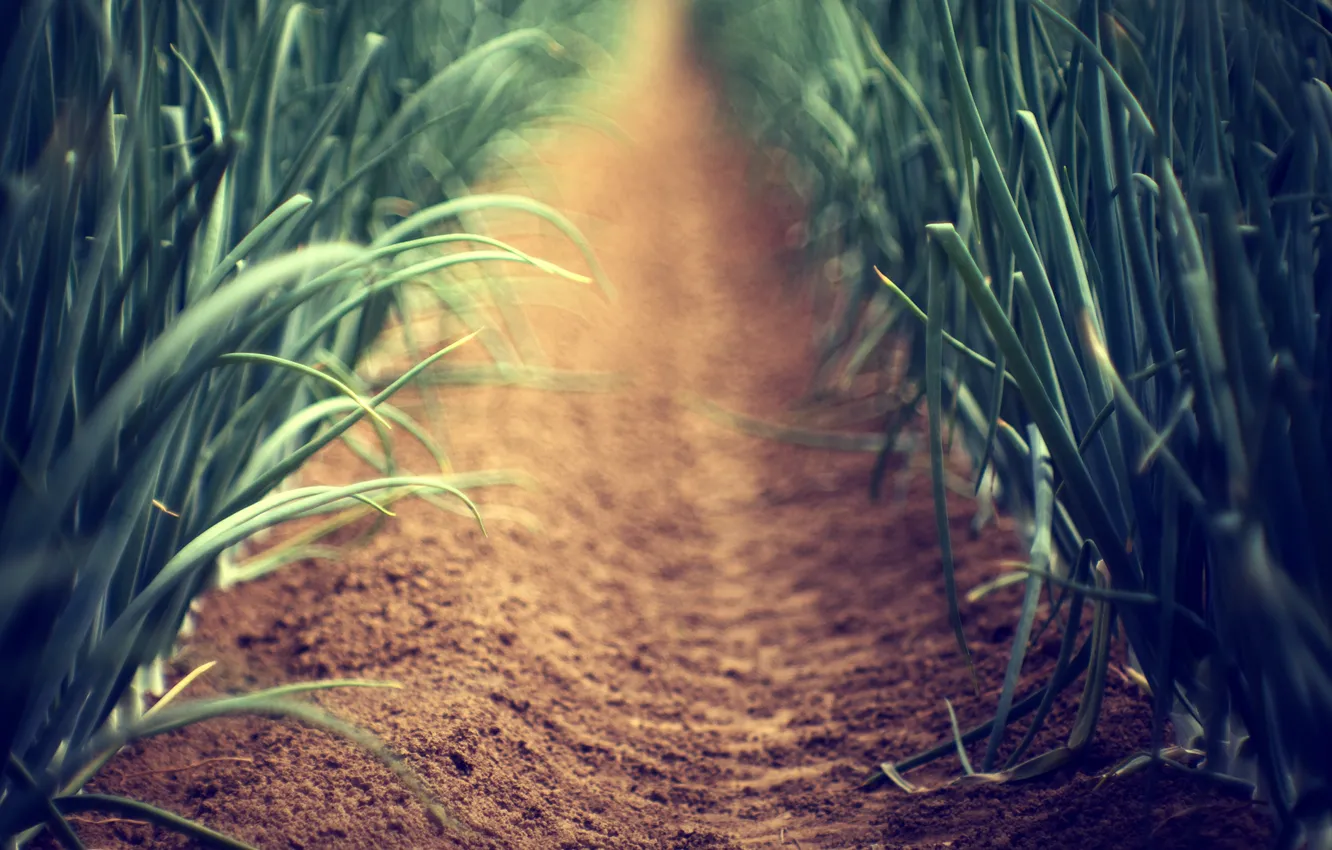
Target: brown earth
[(709, 639)]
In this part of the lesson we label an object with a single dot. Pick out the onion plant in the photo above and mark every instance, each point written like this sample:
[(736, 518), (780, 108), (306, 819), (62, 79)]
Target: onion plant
[(195, 256), (1105, 226)]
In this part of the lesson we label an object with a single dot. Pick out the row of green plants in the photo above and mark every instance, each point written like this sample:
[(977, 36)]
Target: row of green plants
[(1104, 228), (211, 212)]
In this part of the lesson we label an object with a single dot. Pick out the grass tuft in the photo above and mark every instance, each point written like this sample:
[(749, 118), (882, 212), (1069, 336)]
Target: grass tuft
[(196, 256), (1133, 200)]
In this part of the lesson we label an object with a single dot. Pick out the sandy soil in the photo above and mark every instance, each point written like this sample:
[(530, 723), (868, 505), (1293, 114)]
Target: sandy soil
[(711, 637)]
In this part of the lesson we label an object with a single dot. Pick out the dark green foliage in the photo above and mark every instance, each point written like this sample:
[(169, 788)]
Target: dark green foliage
[(196, 253), (1138, 196)]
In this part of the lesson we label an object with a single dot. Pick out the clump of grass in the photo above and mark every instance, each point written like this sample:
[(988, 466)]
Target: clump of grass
[(1113, 220), (194, 259)]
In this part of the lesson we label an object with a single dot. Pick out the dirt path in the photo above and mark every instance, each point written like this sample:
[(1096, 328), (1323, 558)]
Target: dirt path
[(710, 639)]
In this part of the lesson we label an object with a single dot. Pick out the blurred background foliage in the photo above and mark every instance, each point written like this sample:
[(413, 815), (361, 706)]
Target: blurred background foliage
[(1103, 228)]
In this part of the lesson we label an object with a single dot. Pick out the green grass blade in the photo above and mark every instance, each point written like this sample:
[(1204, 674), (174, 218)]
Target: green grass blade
[(934, 402), (124, 807), (1042, 476)]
